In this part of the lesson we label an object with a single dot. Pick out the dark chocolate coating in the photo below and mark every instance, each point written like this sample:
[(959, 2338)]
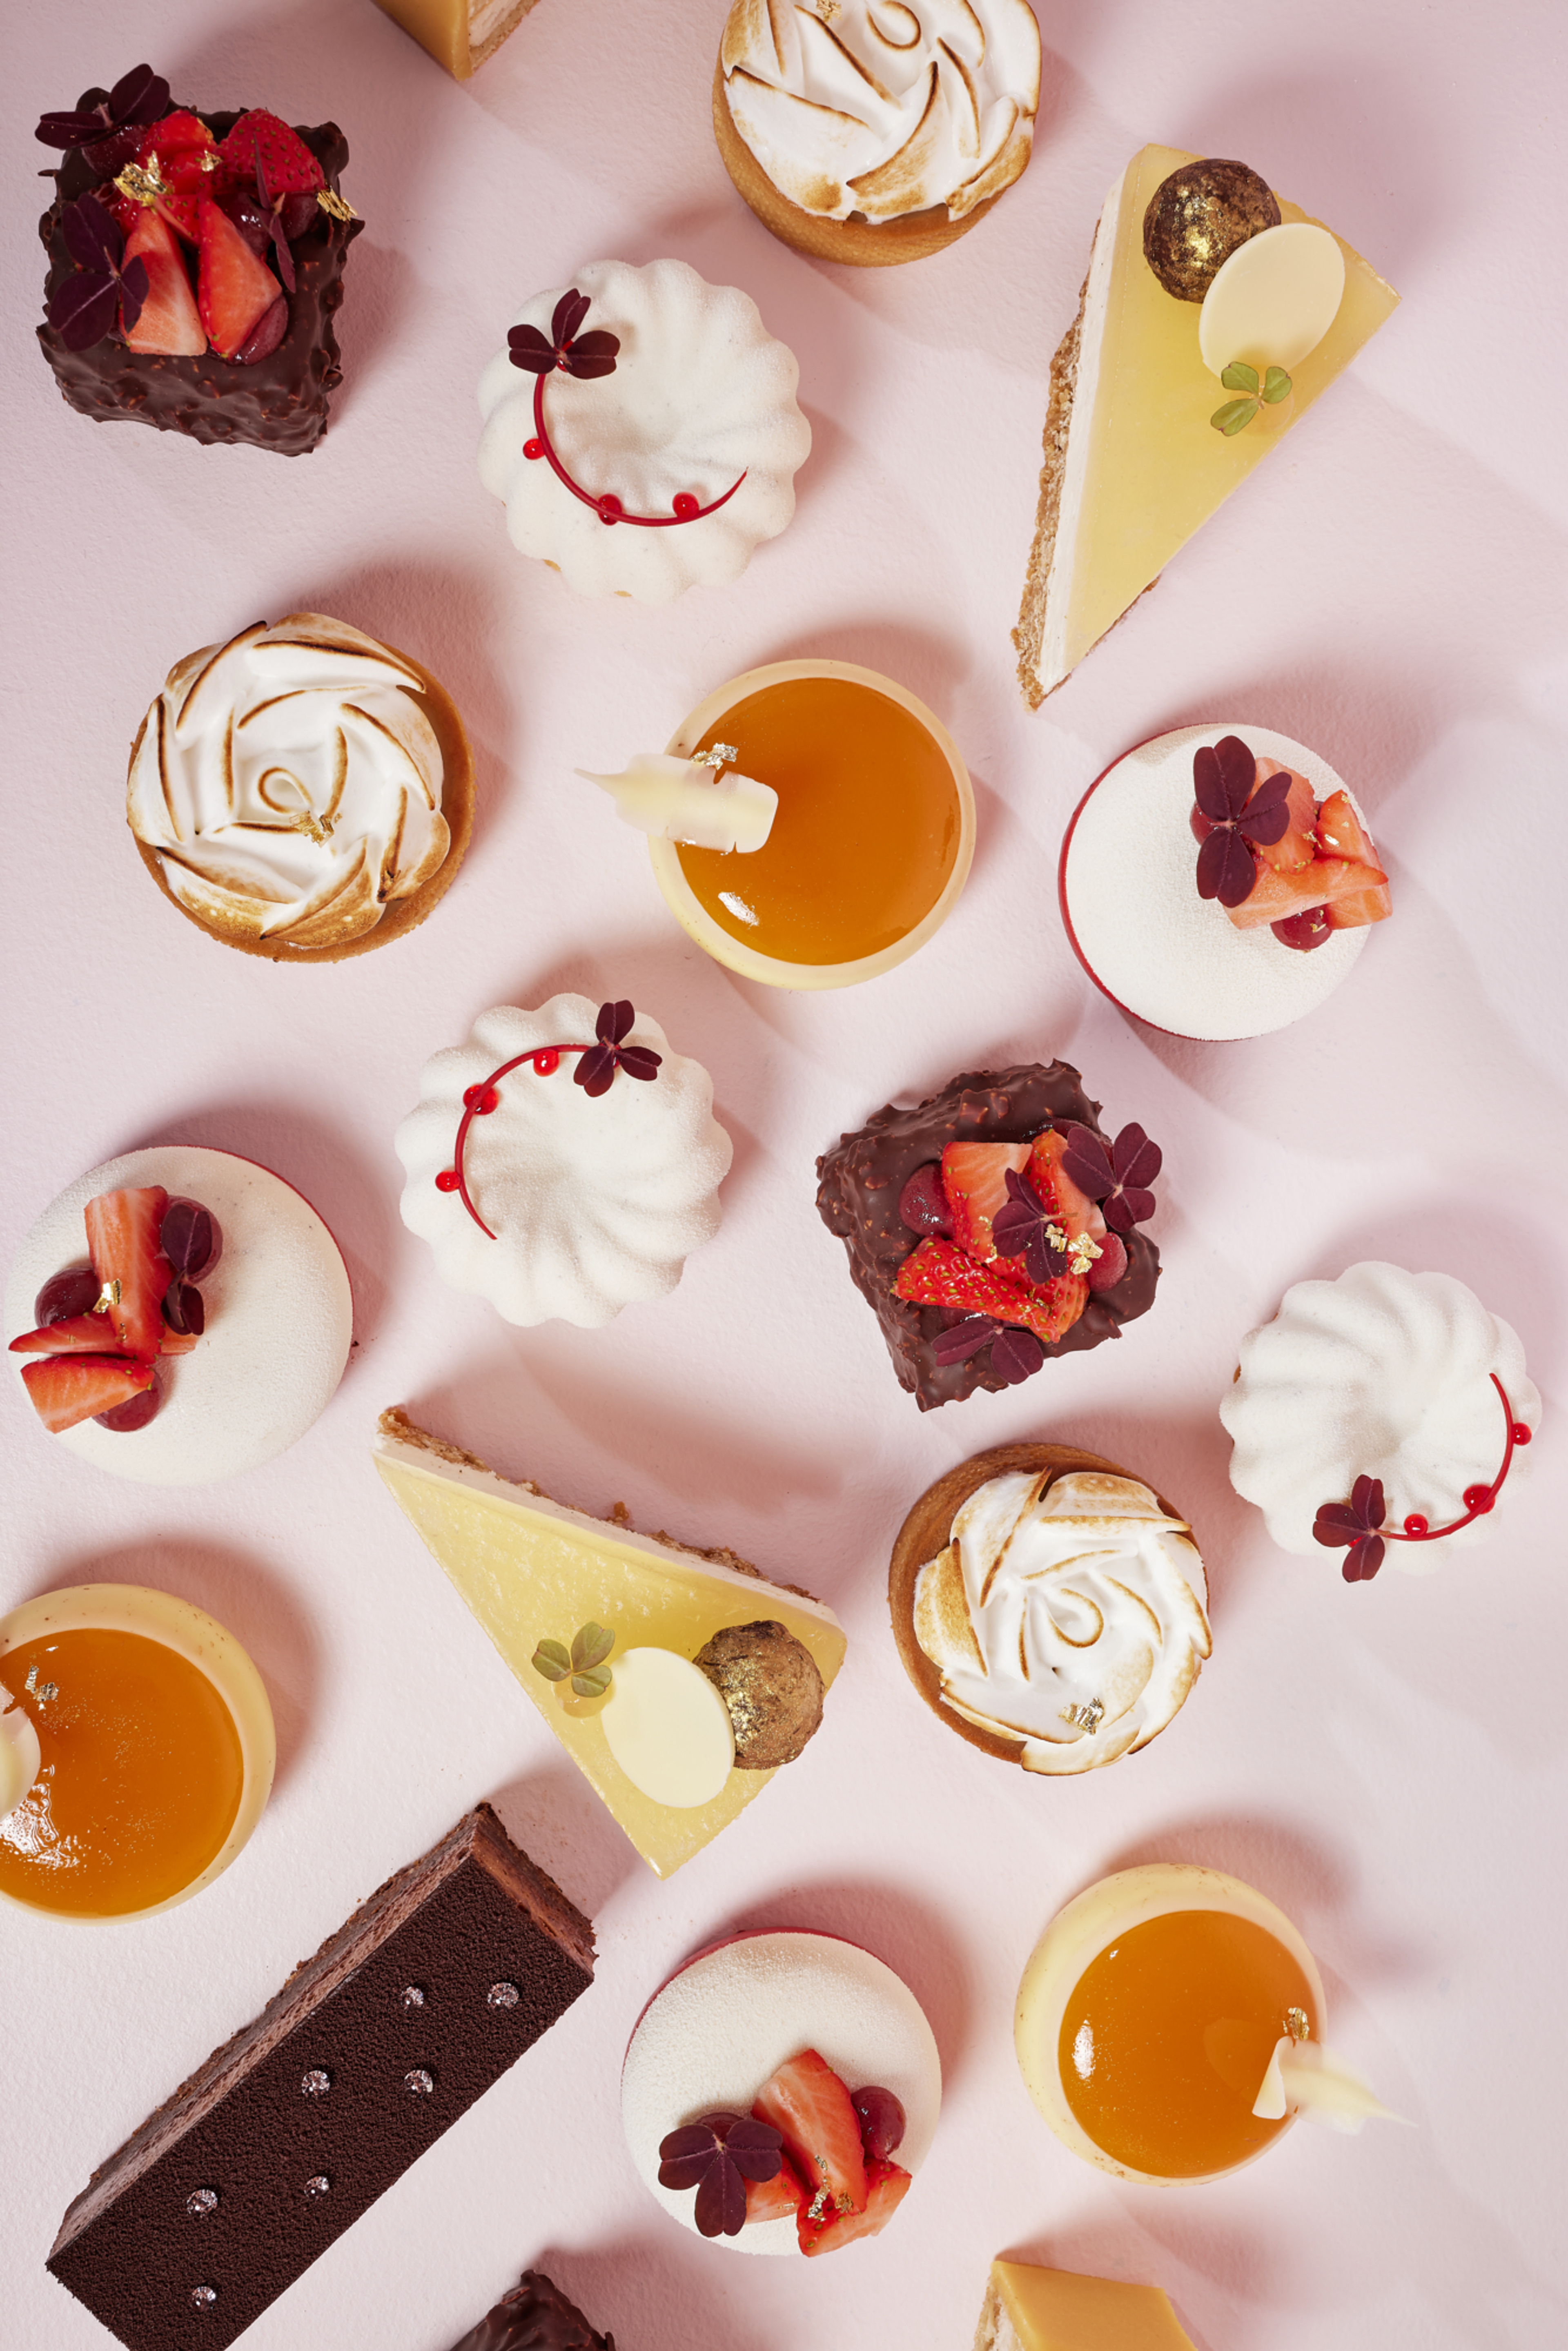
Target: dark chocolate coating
[(859, 1183), (280, 402), (534, 2316), (474, 1914)]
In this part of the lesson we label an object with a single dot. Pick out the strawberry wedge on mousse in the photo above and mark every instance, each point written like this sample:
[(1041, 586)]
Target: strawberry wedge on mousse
[(1271, 853)]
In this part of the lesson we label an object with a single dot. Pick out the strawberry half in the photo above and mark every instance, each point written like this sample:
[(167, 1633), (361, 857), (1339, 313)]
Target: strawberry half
[(177, 150), (262, 152), (806, 2100), (169, 320), (235, 290), (1276, 896), (934, 1273), (68, 1389), (122, 1241), (74, 1334), (887, 2184), (1075, 1212), (779, 2198), (974, 1179)]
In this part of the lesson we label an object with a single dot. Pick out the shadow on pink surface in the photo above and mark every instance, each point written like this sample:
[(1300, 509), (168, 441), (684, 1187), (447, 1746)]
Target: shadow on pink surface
[(553, 1813)]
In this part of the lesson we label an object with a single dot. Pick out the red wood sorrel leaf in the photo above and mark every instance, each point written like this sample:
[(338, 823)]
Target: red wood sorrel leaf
[(1355, 1528), (1025, 1227), (1118, 1178), (1241, 811), (84, 307), (716, 2156), (596, 1068), (139, 97), (579, 355)]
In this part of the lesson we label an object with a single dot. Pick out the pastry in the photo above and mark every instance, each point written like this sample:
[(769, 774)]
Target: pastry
[(1384, 1407), (865, 133), (195, 261), (276, 1317), (870, 842), (151, 1758), (1031, 2309), (290, 2131), (641, 430), (993, 1227), (815, 2040), (1137, 454), (1169, 2027), (459, 33), (612, 1635), (558, 1192), (1048, 1607), (302, 792), (534, 2316), (1278, 928)]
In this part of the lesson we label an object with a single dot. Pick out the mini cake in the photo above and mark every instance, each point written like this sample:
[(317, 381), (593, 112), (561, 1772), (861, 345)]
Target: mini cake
[(872, 131), (195, 262), (459, 35), (1200, 281), (1030, 2309), (151, 1751), (668, 447), (1278, 925), (1169, 2028), (534, 2316), (866, 847), (800, 2074), (373, 2049), (302, 792), (250, 1362), (1048, 1607), (993, 1227), (652, 1663), (1384, 1407), (563, 1196)]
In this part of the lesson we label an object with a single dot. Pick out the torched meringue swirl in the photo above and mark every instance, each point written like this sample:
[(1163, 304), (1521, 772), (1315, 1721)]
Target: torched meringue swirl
[(1071, 1619), (290, 783), (883, 108)]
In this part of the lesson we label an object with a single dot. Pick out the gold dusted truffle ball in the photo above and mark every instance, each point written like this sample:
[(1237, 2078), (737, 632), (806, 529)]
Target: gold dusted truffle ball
[(1197, 218), (770, 1682)]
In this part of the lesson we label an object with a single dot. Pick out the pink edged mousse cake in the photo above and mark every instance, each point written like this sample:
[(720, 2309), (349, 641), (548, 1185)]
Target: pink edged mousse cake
[(792, 2081), (178, 1315), (1218, 881)]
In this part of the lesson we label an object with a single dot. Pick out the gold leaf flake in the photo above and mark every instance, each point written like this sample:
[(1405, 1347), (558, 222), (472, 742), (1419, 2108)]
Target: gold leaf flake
[(338, 206)]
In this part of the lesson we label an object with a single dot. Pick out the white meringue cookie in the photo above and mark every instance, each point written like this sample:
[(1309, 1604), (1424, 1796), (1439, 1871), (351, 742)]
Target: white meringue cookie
[(291, 782), (1071, 1620), (594, 1201), (883, 108), (699, 395), (1382, 1373)]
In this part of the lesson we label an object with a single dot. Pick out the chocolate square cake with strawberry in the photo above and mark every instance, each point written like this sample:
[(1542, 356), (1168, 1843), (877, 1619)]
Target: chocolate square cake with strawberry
[(195, 262), (993, 1226)]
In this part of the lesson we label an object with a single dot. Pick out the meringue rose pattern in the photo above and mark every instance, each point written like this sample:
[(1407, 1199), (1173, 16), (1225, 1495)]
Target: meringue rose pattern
[(885, 108), (1067, 1615), (577, 1199), (290, 783)]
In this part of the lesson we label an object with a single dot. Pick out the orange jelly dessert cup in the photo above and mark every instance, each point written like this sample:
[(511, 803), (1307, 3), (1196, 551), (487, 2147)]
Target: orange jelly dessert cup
[(1148, 2016), (871, 841), (154, 1744)]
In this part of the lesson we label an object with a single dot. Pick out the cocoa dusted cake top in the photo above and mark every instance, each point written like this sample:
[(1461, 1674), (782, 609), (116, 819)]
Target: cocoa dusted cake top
[(993, 1226)]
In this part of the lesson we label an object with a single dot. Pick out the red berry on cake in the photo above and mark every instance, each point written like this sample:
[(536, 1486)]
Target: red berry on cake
[(169, 320), (887, 2188), (806, 2101), (68, 1389), (235, 290), (974, 1179), (122, 1230)]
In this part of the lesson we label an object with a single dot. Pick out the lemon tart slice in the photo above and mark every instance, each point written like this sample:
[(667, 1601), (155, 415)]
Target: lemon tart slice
[(1030, 2309), (530, 1570), (1132, 465)]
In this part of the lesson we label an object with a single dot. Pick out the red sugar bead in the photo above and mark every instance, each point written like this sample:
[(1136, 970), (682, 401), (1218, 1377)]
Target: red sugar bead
[(1519, 1433), (547, 1061), (1479, 1497), (448, 1180), (533, 448), (1415, 1524), (610, 507), (685, 506)]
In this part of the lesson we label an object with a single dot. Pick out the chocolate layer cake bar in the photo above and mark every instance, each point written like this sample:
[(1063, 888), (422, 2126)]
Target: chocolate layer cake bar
[(373, 2049), (277, 402), (859, 1187), (534, 2316)]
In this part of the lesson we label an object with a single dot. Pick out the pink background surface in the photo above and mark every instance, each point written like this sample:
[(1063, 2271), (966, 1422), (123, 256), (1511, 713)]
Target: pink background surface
[(1388, 1763)]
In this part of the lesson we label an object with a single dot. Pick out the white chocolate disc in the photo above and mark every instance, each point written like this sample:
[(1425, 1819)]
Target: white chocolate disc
[(668, 1728), (1274, 300)]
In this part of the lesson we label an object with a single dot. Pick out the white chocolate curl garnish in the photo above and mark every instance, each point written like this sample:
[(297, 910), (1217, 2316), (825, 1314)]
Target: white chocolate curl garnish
[(1305, 2078), (884, 107), (291, 783), (1071, 1620), (689, 800)]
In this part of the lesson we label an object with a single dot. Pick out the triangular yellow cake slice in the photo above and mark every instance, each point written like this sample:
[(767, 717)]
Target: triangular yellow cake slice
[(1133, 466), (531, 1570), (1029, 2309)]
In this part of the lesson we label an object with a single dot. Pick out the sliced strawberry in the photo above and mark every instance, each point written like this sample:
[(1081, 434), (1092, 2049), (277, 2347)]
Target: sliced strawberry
[(75, 1334), (974, 1179), (1294, 846), (180, 146), (1341, 833), (934, 1273), (806, 2100), (887, 2184), (1276, 895), (122, 1241), (1074, 1211), (168, 320), (774, 2200), (262, 152), (1360, 907), (235, 290), (68, 1389)]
